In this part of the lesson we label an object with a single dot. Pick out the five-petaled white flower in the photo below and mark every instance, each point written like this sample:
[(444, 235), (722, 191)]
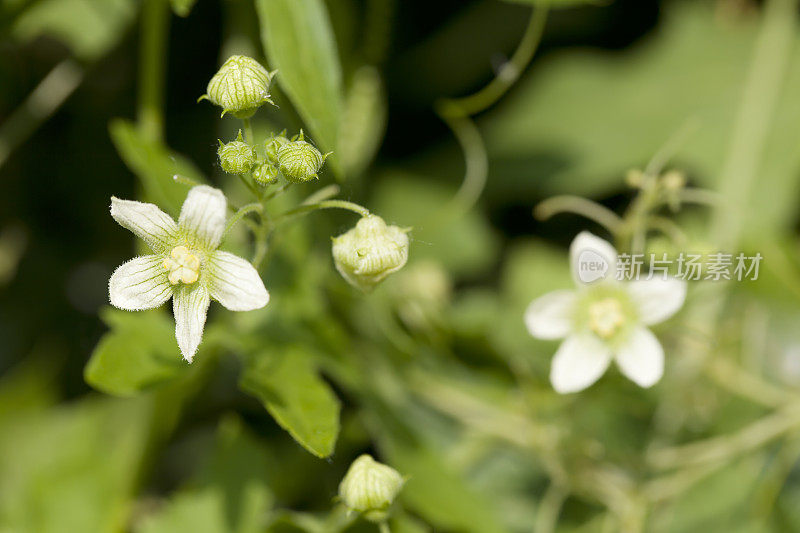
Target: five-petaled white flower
[(604, 319), (185, 265)]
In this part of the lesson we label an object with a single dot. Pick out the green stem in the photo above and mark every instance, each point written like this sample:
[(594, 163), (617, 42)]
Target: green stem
[(248, 184), (48, 96), (754, 120), (325, 204), (183, 180), (277, 192), (383, 527), (248, 131), (579, 206), (152, 65), (324, 193), (549, 509), (241, 213), (509, 73)]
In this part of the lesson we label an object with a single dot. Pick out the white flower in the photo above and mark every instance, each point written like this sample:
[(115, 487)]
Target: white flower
[(603, 320), (185, 265)]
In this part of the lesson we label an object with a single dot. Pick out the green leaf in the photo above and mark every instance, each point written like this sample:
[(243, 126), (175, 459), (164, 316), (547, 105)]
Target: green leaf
[(138, 353), (585, 117), (363, 121), (72, 468), (438, 494), (300, 401), (300, 43), (182, 8), (154, 165), (89, 27)]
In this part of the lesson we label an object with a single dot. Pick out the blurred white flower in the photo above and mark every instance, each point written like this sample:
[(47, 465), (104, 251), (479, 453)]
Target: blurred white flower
[(185, 265), (603, 320)]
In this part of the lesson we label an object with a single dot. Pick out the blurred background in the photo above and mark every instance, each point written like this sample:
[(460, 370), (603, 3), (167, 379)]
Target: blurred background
[(610, 83)]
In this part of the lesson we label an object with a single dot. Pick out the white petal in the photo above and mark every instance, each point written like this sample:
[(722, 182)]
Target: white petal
[(203, 215), (140, 283), (641, 358), (592, 259), (550, 316), (579, 362), (235, 284), (190, 307), (657, 299), (147, 221)]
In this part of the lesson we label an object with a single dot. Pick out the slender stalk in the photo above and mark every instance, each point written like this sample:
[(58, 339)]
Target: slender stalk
[(456, 114), (241, 213), (322, 194), (580, 206), (248, 131), (509, 72), (152, 65), (325, 204), (383, 527), (44, 100), (549, 509)]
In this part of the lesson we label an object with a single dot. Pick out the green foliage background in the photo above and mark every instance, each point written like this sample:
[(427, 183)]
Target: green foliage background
[(103, 428)]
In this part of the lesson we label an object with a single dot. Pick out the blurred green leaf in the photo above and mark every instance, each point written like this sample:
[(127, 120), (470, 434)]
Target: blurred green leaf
[(182, 8), (300, 43), (199, 511), (439, 494), (465, 245), (136, 355), (363, 121), (584, 117), (89, 27), (154, 165), (300, 401), (72, 468)]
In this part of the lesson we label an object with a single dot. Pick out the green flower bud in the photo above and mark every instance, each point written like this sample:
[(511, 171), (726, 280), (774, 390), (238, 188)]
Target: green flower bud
[(370, 488), (236, 157), (265, 173), (366, 254), (240, 86), (273, 144), (299, 161)]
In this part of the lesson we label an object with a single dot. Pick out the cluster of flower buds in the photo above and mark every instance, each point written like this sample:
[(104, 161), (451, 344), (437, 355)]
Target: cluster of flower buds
[(366, 254), (370, 488)]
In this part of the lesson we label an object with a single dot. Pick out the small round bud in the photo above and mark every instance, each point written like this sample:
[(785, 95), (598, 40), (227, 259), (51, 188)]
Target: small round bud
[(366, 254), (265, 174), (634, 178), (299, 161), (236, 157), (370, 488), (673, 180), (240, 86), (273, 144)]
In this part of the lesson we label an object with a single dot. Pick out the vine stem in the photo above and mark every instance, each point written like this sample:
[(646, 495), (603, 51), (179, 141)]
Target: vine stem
[(580, 206), (456, 114), (325, 204), (43, 101), (240, 213), (383, 527), (152, 65)]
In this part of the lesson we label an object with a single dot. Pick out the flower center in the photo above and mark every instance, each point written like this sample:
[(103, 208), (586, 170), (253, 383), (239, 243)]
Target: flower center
[(606, 317), (182, 265)]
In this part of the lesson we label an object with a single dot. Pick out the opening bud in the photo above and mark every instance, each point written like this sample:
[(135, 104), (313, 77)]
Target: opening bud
[(370, 488), (366, 254), (240, 86), (236, 157)]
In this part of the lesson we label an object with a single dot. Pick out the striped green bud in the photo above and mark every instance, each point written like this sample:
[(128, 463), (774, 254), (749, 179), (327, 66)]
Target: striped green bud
[(240, 86), (265, 174), (368, 253), (299, 161), (370, 488), (236, 157)]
